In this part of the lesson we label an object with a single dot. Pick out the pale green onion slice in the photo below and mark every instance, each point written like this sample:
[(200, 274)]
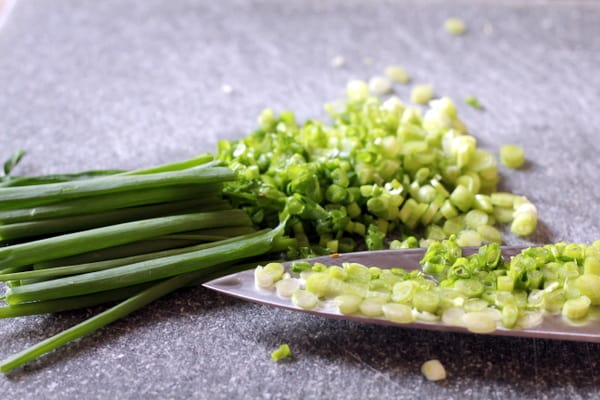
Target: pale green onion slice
[(512, 156), (348, 303), (479, 322), (262, 278), (287, 287), (476, 218), (524, 220), (472, 305), (591, 265), (426, 301), (305, 299), (433, 370), (372, 307), (379, 85), (454, 316), (577, 308), (399, 313), (274, 269), (455, 26), (397, 74), (530, 319), (421, 94), (357, 90), (468, 238), (510, 315), (489, 234)]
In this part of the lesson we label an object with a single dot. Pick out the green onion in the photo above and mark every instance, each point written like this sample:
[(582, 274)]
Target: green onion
[(202, 160), (473, 102), (455, 26), (433, 370), (26, 196), (113, 235), (512, 156), (379, 85), (113, 201), (55, 272), (397, 74), (421, 94), (140, 272), (357, 90), (281, 352), (81, 222), (114, 313), (576, 308)]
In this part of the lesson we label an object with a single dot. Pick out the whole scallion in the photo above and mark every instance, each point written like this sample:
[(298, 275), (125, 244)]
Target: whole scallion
[(128, 236)]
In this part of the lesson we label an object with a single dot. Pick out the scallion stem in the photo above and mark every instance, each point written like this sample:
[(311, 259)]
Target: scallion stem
[(113, 235), (112, 201), (128, 306), (25, 196), (55, 226), (145, 271)]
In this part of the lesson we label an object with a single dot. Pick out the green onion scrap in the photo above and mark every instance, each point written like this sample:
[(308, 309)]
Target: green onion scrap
[(455, 26), (512, 156), (281, 352), (473, 102)]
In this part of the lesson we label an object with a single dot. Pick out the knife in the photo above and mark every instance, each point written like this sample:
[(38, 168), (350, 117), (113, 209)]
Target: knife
[(242, 286)]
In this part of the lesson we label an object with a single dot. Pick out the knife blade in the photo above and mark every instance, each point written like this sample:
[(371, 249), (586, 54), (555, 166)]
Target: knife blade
[(242, 286)]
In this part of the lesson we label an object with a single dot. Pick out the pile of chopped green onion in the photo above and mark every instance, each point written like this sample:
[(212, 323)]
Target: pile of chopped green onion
[(480, 292), (381, 174), (119, 238)]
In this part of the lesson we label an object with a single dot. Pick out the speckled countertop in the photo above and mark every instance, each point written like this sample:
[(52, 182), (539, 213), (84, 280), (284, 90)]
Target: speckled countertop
[(87, 84)]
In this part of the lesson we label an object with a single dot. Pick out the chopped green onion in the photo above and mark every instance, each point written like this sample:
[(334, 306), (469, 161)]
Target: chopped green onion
[(473, 102), (433, 370), (455, 26), (576, 308), (379, 85), (479, 322), (357, 90), (421, 94), (281, 352), (348, 303), (512, 156), (399, 313), (304, 299), (397, 74)]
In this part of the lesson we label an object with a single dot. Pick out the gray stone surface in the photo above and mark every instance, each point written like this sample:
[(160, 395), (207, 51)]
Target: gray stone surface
[(87, 84)]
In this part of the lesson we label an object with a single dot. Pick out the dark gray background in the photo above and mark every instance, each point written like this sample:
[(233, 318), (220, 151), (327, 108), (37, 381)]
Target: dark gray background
[(125, 84)]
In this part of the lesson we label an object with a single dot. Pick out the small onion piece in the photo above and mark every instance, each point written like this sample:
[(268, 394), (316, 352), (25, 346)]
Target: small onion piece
[(433, 370), (287, 287)]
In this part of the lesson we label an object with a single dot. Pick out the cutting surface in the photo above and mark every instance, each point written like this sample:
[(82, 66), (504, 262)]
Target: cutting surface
[(113, 84)]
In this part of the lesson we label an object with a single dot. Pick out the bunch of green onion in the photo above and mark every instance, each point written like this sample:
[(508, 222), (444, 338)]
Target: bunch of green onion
[(480, 292), (382, 174), (124, 238)]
